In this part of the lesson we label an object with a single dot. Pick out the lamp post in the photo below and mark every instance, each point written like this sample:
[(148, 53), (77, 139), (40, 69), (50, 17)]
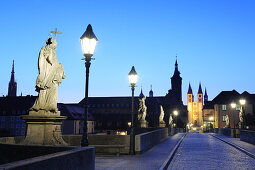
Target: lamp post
[(88, 44), (242, 113), (175, 112), (233, 105), (132, 76)]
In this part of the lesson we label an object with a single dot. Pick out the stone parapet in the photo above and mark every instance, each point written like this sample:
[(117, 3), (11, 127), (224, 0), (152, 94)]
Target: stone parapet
[(247, 136)]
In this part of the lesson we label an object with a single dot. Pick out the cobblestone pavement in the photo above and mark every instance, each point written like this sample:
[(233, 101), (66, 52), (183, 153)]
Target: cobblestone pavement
[(150, 160), (202, 151), (247, 146)]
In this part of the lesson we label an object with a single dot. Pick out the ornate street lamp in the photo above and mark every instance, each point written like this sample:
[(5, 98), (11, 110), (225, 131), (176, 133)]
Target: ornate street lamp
[(242, 113), (132, 76), (88, 44)]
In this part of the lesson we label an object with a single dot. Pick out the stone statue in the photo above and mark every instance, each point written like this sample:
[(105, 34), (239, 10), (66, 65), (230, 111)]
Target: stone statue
[(142, 109), (170, 120), (44, 120), (241, 117), (161, 116), (51, 73), (227, 121)]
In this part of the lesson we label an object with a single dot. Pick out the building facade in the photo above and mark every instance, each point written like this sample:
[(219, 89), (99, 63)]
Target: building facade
[(195, 113), (220, 107)]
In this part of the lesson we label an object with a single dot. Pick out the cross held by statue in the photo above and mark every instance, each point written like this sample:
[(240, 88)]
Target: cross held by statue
[(56, 32)]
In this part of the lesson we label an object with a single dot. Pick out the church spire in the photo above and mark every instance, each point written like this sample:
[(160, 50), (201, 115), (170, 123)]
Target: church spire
[(12, 89), (176, 71), (190, 89), (205, 96), (141, 94), (151, 92), (200, 89)]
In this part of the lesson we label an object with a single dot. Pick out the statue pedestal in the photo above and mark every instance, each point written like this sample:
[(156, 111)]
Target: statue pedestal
[(44, 128), (162, 125), (143, 124)]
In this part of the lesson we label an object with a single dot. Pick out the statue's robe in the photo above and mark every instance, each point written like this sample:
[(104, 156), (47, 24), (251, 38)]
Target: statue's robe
[(50, 76)]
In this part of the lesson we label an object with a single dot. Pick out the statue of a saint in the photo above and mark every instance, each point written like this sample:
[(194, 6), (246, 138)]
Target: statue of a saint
[(51, 73), (142, 109), (170, 120), (241, 115), (161, 116), (227, 121)]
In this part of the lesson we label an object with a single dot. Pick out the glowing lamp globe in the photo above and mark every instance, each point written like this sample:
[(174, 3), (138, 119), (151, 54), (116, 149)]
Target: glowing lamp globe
[(88, 42), (132, 76), (233, 105), (175, 113), (242, 101)]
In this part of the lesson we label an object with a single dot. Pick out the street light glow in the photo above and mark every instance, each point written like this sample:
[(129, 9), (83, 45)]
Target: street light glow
[(175, 112), (211, 118), (88, 41), (242, 101), (132, 76), (233, 105)]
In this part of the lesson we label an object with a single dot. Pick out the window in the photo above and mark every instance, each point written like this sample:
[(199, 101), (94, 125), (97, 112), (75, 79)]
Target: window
[(2, 125), (199, 100), (224, 107), (238, 107), (189, 100), (224, 118)]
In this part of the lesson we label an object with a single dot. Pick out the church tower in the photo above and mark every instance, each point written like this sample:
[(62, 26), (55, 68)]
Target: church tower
[(12, 89), (200, 104), (190, 104), (151, 92), (176, 82), (195, 108), (141, 94), (205, 96)]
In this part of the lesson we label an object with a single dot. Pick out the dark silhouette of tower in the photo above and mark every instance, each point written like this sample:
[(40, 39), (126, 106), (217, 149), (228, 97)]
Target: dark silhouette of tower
[(151, 92), (205, 96), (141, 94), (176, 82), (12, 89)]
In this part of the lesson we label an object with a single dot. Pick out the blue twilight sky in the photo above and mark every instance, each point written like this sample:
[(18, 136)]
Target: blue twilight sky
[(214, 41)]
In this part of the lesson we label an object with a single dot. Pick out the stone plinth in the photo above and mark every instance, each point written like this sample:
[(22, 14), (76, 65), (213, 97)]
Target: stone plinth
[(43, 128), (142, 124), (162, 125)]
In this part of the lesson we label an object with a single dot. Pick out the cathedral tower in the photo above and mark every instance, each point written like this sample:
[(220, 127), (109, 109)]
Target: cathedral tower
[(195, 107), (12, 89), (205, 96), (176, 82), (190, 104), (151, 92), (200, 104)]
